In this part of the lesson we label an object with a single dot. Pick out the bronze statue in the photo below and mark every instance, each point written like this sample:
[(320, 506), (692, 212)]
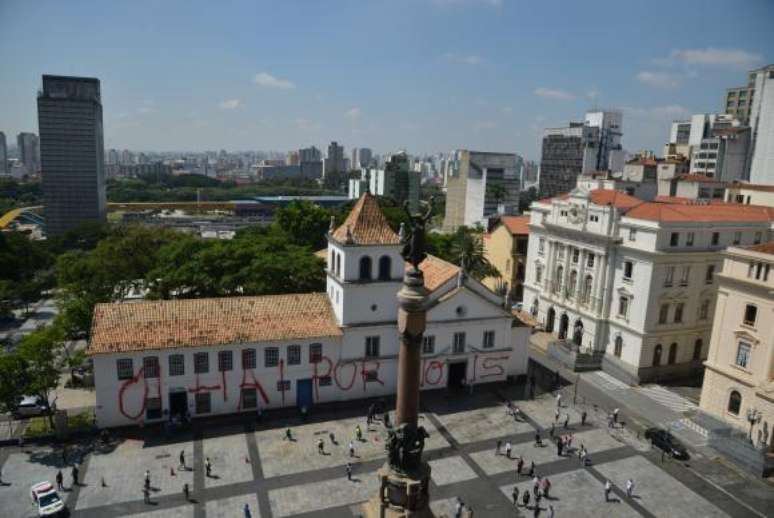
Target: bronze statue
[(404, 446), (414, 244)]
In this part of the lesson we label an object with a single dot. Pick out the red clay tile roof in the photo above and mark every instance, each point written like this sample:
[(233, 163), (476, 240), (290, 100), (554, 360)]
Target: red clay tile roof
[(712, 212), (516, 225), (367, 225), (436, 271), (680, 200), (763, 248), (166, 324), (617, 199)]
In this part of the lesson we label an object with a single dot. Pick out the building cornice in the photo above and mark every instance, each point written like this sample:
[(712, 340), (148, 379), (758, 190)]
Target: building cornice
[(580, 235), (729, 374)]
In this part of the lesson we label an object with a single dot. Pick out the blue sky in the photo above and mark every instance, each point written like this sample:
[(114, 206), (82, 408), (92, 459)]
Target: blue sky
[(425, 75)]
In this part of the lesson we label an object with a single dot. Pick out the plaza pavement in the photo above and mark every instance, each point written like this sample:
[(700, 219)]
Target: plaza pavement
[(281, 478)]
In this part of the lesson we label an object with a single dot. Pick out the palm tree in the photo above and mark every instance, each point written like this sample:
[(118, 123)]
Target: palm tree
[(468, 252)]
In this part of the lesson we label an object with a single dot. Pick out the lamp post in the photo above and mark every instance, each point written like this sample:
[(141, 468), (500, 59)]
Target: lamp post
[(753, 417)]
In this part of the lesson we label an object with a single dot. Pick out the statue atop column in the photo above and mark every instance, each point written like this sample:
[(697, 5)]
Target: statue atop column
[(414, 245)]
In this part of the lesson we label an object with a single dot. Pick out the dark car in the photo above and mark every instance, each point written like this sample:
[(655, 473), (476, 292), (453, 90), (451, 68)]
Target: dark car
[(667, 442)]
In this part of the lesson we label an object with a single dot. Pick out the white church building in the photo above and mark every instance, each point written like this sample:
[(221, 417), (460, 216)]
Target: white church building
[(202, 357)]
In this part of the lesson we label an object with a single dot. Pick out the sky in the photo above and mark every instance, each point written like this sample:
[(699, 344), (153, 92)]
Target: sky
[(422, 75)]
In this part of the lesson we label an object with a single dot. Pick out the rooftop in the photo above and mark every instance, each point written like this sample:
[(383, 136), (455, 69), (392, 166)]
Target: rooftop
[(711, 212), (366, 225), (167, 324), (436, 271), (763, 248), (698, 178), (751, 186), (516, 225)]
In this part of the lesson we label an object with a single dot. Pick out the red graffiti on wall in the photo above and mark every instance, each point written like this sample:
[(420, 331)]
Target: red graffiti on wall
[(493, 367), (125, 385), (336, 373), (432, 366), (202, 388), (364, 373), (254, 384)]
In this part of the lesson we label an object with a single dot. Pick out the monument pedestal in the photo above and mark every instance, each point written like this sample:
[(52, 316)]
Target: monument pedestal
[(401, 496)]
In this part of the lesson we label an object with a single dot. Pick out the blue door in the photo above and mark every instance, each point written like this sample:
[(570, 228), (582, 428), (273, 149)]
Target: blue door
[(304, 396)]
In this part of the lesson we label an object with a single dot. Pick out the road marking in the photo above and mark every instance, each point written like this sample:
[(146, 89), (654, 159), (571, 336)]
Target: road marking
[(606, 381), (667, 398)]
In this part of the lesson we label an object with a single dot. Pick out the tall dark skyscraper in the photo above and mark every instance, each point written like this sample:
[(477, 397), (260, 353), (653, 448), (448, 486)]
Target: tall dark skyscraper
[(72, 152)]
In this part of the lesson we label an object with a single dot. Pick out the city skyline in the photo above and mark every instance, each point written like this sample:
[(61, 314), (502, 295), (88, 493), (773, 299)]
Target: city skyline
[(280, 76)]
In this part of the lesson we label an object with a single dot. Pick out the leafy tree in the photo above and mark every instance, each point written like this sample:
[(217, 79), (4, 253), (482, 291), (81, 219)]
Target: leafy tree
[(526, 198), (497, 192), (13, 380), (468, 250), (304, 223), (40, 351)]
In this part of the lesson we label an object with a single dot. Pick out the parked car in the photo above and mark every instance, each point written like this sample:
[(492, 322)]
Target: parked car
[(667, 442), (47, 500), (30, 406)]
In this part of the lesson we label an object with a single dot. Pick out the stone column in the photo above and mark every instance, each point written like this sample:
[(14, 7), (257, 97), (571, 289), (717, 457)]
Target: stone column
[(411, 326)]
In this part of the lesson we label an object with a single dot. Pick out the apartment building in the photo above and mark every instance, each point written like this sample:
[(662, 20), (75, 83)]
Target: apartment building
[(505, 247)]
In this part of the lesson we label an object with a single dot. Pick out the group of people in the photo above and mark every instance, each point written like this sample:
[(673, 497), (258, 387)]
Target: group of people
[(513, 411), (541, 487)]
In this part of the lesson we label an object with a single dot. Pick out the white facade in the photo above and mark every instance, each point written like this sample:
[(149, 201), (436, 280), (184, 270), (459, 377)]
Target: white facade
[(626, 281), (469, 338), (762, 123)]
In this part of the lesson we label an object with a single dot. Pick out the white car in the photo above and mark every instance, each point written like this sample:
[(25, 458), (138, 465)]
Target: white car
[(30, 406), (47, 500)]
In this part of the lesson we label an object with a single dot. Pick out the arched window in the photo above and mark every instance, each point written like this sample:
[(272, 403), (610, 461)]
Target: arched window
[(657, 355), (573, 283), (550, 317), (337, 260), (734, 402), (384, 268), (535, 307), (618, 346), (559, 278), (587, 282), (365, 268), (538, 274), (672, 353), (697, 347)]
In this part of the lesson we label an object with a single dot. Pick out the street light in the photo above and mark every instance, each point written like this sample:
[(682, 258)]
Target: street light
[(753, 417)]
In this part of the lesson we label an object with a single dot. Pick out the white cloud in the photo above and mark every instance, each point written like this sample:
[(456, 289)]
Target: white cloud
[(658, 79), (669, 111), (353, 113), (464, 59), (269, 81), (716, 57), (231, 104), (307, 125), (551, 93)]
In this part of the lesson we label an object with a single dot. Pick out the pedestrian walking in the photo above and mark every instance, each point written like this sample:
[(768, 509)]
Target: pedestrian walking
[(569, 440), (458, 508), (351, 449), (538, 440), (532, 469), (629, 488), (74, 473), (556, 415), (288, 435), (515, 495), (516, 414), (332, 438), (546, 486), (248, 514), (320, 446), (519, 466), (566, 421), (525, 498), (349, 470), (147, 478), (558, 399), (538, 498), (207, 467), (59, 480), (358, 433), (583, 418), (497, 448), (508, 449), (182, 461), (146, 495), (535, 486), (551, 512), (186, 492), (559, 445), (615, 416), (608, 488), (551, 431)]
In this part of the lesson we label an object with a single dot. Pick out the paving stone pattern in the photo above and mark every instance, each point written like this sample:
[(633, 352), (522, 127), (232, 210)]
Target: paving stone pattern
[(280, 478)]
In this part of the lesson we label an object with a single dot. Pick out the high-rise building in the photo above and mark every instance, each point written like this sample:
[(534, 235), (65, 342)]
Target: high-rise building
[(309, 154), (580, 148), (292, 158), (361, 157), (3, 155), (396, 181), (723, 155), (334, 162), (762, 124), (478, 183), (72, 152), (29, 151), (738, 100), (112, 157)]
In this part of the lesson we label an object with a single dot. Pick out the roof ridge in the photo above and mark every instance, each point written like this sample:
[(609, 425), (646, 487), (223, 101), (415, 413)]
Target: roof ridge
[(366, 224)]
